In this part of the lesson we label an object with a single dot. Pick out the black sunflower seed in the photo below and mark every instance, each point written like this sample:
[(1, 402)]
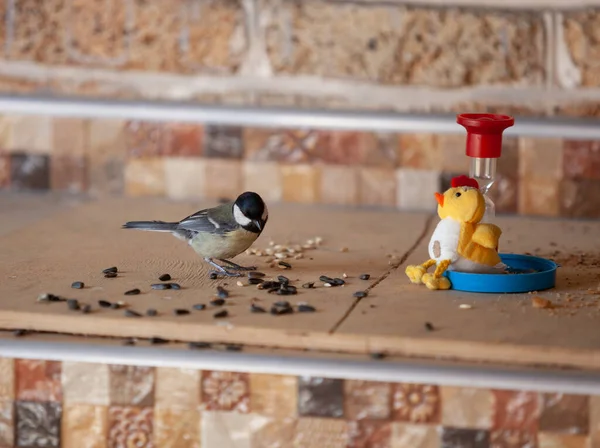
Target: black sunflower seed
[(161, 286), (255, 281), (274, 289), (429, 326), (285, 292), (377, 355), (255, 274), (174, 285), (308, 285), (73, 304), (219, 314), (284, 264), (151, 312), (181, 312), (257, 309), (282, 303), (109, 270), (304, 308), (233, 348), (199, 306), (77, 285), (131, 313), (326, 279), (278, 311), (104, 303), (222, 293), (269, 285), (157, 340), (86, 309), (133, 292), (338, 282), (283, 279), (164, 278), (365, 276), (115, 305), (213, 276), (199, 345), (110, 274), (19, 332), (217, 302), (360, 294)]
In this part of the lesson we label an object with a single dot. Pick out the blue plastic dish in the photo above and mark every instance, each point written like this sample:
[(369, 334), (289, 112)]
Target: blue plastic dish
[(527, 274)]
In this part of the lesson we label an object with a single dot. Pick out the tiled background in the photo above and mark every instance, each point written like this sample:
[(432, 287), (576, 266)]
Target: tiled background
[(77, 405)]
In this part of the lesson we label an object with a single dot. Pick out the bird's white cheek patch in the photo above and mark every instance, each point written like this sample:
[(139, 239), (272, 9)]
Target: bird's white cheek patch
[(239, 217)]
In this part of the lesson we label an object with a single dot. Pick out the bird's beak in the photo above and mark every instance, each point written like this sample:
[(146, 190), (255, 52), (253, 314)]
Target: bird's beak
[(258, 224), (439, 197)]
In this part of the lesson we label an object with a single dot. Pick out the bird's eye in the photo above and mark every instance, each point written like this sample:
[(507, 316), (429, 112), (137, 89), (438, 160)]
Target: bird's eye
[(457, 194)]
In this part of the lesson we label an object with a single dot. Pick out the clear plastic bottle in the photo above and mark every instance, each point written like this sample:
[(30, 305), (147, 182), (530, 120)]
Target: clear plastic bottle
[(483, 170)]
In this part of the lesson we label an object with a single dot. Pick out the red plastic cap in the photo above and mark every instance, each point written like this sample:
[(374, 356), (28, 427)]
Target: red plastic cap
[(484, 133)]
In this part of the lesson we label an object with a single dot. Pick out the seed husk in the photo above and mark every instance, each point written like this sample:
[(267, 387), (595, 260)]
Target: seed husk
[(284, 265), (109, 270), (110, 274), (338, 282), (213, 276), (199, 345), (283, 279), (360, 294), (164, 278), (282, 303), (233, 348), (77, 285), (181, 311), (255, 281), (305, 308), (104, 303), (217, 302), (285, 292), (327, 285), (278, 310), (151, 312), (308, 285), (86, 309), (129, 341), (47, 297), (429, 326), (239, 283), (222, 293), (131, 313), (326, 279), (161, 286), (257, 309), (19, 332), (269, 285), (199, 306), (255, 274), (156, 340), (115, 305), (378, 355), (220, 314), (73, 304), (133, 292), (175, 286), (365, 276)]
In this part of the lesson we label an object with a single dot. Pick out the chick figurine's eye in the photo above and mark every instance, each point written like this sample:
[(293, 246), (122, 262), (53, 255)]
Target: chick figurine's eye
[(457, 194)]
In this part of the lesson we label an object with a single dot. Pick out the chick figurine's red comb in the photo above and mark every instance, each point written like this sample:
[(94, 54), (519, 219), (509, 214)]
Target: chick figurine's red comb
[(464, 181)]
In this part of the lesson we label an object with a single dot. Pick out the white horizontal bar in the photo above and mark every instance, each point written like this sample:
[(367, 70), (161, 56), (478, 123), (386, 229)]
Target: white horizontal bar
[(497, 4), (579, 129)]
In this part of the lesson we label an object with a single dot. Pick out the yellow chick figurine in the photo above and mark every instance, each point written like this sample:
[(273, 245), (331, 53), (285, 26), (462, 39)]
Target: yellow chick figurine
[(459, 242)]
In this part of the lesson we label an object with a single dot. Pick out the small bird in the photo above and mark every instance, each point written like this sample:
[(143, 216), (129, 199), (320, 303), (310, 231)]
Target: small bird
[(218, 233)]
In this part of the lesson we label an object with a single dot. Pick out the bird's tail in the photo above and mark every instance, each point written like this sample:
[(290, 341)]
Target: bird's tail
[(152, 226)]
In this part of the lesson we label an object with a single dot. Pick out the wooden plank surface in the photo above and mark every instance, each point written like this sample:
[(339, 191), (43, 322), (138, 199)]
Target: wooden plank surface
[(498, 328), (76, 245)]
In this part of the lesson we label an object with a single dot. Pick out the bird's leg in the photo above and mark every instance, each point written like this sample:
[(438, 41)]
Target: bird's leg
[(237, 267), (437, 279), (416, 273), (220, 270)]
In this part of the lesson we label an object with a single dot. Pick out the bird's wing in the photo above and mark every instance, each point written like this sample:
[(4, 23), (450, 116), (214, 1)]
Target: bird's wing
[(206, 221), (487, 235)]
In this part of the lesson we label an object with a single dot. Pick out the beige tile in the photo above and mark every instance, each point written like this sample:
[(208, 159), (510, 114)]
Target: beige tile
[(145, 177), (7, 423), (185, 177), (265, 179), (367, 399), (301, 183), (416, 189), (539, 196), (176, 428), (464, 407), (541, 157), (85, 383), (84, 426), (420, 151), (453, 152), (377, 187), (552, 440), (274, 395), (276, 433), (30, 133), (414, 436), (106, 139), (70, 136), (7, 379), (223, 179), (230, 429), (594, 429), (321, 432), (177, 388), (339, 185)]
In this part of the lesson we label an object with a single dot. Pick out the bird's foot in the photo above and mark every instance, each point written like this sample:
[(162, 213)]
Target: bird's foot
[(237, 267), (224, 273), (434, 283), (415, 273)]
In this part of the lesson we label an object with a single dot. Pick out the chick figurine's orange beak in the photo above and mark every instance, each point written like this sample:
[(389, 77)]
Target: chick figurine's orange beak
[(439, 197)]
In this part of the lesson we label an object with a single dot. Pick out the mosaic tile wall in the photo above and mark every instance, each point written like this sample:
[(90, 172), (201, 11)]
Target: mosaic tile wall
[(547, 177), (79, 405)]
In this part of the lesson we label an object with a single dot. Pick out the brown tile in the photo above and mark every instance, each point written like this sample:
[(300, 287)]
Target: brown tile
[(453, 148), (30, 133), (420, 151), (472, 438), (282, 145), (595, 420), (505, 194), (145, 177), (464, 407), (176, 428), (177, 388), (346, 147), (106, 178), (565, 413), (183, 139), (275, 433), (223, 178), (185, 177), (513, 438), (4, 170), (321, 432), (415, 436), (108, 139), (7, 379), (130, 426), (516, 410), (70, 137), (6, 423), (69, 173), (263, 178), (225, 391), (416, 403), (339, 185), (377, 187), (38, 380), (131, 385), (145, 139), (415, 189), (508, 164), (320, 397), (85, 383), (37, 424), (84, 426), (370, 433), (539, 196), (550, 440), (29, 171), (540, 157), (223, 142), (581, 159), (579, 198), (384, 152), (301, 183), (367, 400), (274, 395)]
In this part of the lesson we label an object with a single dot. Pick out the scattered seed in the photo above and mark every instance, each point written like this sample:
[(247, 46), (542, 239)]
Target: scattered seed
[(338, 282), (360, 294), (429, 326), (129, 341), (327, 285), (164, 278), (181, 311), (233, 348), (283, 279), (257, 309), (86, 309), (269, 285), (282, 303), (151, 312), (115, 305), (344, 275), (110, 274), (222, 293), (104, 303), (109, 270), (199, 345), (19, 332), (255, 281), (281, 256), (378, 355), (326, 279), (284, 265), (255, 274), (47, 297), (175, 286), (365, 276), (278, 310), (344, 249), (131, 313), (539, 302), (77, 285), (161, 286), (156, 340), (220, 314), (217, 302), (304, 308), (465, 306), (239, 283), (133, 292), (73, 304), (308, 285), (213, 276), (199, 306)]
